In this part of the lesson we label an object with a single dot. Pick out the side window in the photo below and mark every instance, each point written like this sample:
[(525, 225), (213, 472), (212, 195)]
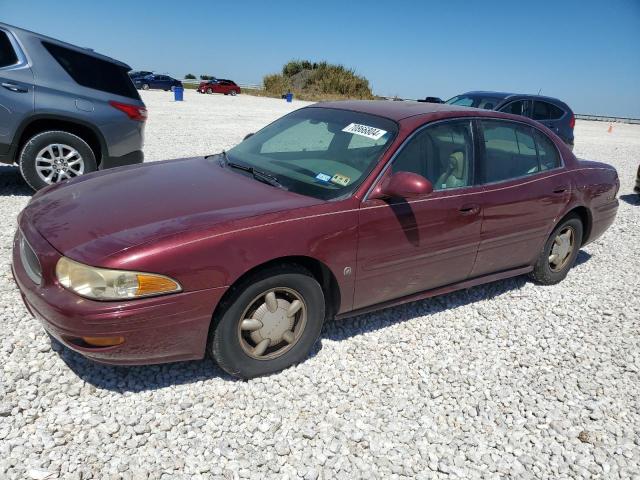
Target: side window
[(519, 107), (302, 136), (442, 153), (547, 152), (7, 54), (510, 151), (546, 111)]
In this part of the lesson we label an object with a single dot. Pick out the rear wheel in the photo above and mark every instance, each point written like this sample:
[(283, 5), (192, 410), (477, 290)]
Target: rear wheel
[(560, 252), (53, 156), (233, 93), (145, 86), (270, 323)]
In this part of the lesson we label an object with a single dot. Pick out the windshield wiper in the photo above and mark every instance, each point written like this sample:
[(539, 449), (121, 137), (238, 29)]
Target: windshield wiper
[(259, 175)]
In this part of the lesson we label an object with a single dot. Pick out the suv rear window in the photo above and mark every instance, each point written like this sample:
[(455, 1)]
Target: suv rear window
[(93, 72), (7, 54)]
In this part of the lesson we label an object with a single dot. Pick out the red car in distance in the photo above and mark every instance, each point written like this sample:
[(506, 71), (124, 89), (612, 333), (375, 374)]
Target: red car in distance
[(336, 209), (219, 85)]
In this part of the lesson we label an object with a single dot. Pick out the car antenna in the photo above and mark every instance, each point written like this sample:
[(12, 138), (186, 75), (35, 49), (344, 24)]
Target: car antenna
[(539, 91)]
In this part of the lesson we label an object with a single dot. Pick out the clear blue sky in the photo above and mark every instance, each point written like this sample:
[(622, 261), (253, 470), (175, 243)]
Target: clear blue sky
[(584, 52)]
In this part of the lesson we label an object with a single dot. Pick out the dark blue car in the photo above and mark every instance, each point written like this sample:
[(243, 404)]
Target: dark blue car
[(161, 82), (551, 112)]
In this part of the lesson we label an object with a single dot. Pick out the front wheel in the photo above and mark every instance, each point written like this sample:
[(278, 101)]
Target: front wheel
[(269, 323), (53, 156), (560, 252), (233, 93), (145, 86), (209, 91)]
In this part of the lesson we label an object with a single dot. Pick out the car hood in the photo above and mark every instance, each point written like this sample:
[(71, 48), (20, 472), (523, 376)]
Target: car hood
[(100, 214)]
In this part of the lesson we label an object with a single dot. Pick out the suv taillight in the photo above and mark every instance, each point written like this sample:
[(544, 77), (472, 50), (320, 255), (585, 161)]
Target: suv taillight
[(572, 121), (134, 112)]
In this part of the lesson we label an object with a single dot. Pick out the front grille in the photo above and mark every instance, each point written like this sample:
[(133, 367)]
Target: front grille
[(30, 261)]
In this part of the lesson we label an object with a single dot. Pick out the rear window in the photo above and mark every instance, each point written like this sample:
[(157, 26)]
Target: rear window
[(7, 54), (546, 111), (93, 72)]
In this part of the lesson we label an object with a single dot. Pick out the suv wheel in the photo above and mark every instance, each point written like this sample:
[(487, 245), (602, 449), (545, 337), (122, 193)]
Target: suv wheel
[(53, 156)]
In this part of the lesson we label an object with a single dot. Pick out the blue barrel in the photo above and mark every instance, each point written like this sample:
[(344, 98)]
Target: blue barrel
[(178, 94), (289, 97)]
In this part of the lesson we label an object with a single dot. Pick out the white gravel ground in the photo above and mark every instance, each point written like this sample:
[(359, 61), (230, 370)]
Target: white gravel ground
[(507, 380)]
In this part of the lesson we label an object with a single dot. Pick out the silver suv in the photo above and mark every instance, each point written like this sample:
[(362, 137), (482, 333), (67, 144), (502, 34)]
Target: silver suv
[(64, 110)]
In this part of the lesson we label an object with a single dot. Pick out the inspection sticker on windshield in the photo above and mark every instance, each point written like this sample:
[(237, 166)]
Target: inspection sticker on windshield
[(323, 177), (340, 180), (364, 131)]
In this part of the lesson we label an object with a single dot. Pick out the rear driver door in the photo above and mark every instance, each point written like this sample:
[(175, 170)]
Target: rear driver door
[(526, 189), (16, 89)]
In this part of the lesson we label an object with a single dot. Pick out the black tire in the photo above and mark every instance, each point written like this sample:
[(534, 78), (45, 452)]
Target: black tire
[(542, 272), (233, 93), (209, 91), (224, 343), (27, 158)]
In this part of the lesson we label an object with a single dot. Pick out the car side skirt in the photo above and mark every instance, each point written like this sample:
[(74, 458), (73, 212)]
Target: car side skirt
[(439, 291)]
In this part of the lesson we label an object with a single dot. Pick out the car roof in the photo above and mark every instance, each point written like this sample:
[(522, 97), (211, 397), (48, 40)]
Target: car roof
[(394, 110), (506, 95), (87, 51)]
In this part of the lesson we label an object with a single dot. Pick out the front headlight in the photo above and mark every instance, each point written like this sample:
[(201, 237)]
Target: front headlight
[(103, 284)]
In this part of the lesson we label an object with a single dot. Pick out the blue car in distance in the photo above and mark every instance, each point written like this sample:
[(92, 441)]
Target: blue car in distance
[(551, 112), (160, 82)]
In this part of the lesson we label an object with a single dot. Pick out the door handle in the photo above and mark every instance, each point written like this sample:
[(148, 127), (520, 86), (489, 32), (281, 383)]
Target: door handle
[(561, 189), (14, 88), (469, 209)]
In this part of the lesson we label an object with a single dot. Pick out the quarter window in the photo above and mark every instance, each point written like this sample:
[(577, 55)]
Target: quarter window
[(546, 111), (7, 53), (442, 153), (93, 72), (547, 152), (510, 151)]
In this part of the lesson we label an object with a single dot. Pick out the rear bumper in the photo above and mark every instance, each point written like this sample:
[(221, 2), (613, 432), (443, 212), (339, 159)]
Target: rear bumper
[(155, 330), (129, 159), (603, 218)]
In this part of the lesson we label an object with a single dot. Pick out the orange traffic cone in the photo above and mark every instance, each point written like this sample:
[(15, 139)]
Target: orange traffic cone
[(610, 129)]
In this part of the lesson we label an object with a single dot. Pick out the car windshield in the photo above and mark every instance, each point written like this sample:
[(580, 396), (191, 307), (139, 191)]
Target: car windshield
[(477, 101), (320, 152)]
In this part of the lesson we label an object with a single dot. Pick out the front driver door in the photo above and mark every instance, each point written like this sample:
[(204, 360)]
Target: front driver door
[(409, 246)]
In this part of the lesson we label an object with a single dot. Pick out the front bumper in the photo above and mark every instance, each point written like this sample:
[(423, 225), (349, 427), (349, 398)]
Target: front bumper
[(128, 159), (155, 330)]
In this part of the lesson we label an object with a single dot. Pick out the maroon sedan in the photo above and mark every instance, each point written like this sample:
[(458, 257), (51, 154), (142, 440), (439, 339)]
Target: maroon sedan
[(219, 85), (333, 210)]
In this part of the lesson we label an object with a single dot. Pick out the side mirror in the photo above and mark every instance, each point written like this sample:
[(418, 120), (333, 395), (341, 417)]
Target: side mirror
[(403, 185), (247, 136)]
